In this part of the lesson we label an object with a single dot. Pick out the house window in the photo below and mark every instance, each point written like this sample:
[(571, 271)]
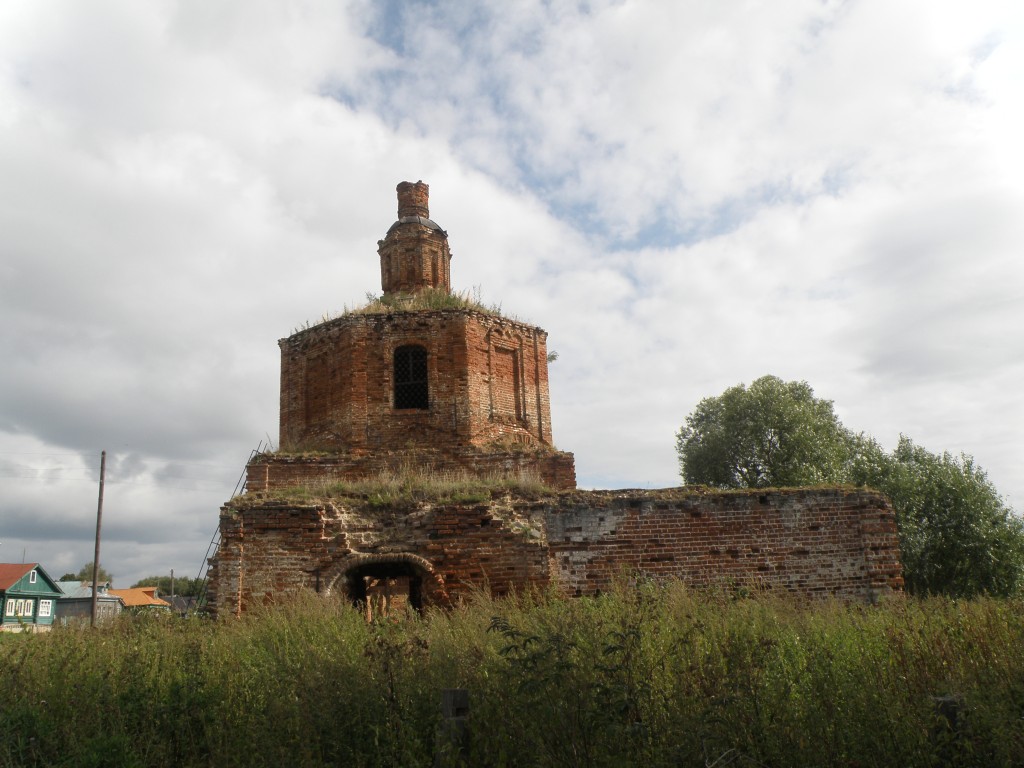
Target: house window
[(45, 608), (411, 377), (10, 607), (32, 577)]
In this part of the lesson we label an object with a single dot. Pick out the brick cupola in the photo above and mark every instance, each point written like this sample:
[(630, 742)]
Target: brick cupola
[(414, 254)]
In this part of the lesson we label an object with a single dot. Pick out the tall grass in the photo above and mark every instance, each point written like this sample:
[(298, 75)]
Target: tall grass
[(651, 675), (409, 485), (427, 299)]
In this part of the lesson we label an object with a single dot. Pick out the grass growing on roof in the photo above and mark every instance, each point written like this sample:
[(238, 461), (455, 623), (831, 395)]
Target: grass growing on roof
[(410, 486), (426, 299)]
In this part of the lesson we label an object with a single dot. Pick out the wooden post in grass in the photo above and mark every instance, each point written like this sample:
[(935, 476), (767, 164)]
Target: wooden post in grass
[(451, 747), (945, 731)]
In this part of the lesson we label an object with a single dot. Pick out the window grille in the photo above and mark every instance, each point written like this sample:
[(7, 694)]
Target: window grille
[(411, 377)]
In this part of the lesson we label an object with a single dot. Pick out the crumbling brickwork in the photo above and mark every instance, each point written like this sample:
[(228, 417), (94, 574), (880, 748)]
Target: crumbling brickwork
[(465, 392), (432, 390), (810, 542), (414, 254), (486, 382), (830, 542), (554, 469)]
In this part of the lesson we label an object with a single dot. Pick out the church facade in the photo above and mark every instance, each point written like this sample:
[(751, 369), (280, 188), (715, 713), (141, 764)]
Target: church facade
[(427, 383)]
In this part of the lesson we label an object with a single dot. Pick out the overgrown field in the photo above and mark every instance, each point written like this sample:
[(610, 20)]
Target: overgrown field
[(654, 675)]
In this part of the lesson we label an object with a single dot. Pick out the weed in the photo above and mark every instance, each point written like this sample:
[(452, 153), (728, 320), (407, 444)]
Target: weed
[(650, 674), (407, 487), (430, 299)]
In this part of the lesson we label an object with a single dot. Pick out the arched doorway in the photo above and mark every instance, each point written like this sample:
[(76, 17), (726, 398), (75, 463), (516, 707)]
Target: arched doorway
[(383, 585)]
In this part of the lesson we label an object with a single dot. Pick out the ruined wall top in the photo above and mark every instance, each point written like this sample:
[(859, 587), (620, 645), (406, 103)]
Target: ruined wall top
[(414, 255), (413, 199)]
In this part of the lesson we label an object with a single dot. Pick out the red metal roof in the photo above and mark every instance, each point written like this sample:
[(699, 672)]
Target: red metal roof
[(11, 572)]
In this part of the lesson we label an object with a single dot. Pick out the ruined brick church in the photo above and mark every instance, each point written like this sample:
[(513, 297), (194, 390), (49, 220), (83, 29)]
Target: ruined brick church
[(415, 384)]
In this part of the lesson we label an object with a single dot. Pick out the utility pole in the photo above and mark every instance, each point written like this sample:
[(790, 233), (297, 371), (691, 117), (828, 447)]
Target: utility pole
[(96, 556)]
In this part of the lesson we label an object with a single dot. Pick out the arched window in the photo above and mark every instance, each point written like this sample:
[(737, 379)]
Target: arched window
[(411, 377)]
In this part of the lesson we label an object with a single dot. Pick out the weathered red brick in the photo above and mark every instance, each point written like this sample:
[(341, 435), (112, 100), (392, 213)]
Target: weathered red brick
[(488, 413)]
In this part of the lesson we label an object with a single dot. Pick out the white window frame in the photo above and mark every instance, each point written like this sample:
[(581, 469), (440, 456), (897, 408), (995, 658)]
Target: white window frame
[(30, 606), (11, 606), (32, 577), (45, 608)]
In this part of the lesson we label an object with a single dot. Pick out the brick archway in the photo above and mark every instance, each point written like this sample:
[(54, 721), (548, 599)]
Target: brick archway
[(360, 576)]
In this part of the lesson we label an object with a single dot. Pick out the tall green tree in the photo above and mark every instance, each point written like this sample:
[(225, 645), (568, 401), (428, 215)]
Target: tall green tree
[(85, 574), (183, 585), (957, 535), (774, 433)]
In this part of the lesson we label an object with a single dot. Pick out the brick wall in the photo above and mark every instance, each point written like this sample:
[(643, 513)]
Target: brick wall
[(414, 254), (487, 411), (823, 541), (838, 542), (487, 382), (270, 472)]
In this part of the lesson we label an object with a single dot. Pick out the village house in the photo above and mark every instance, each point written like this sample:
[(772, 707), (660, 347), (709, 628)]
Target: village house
[(75, 605), (138, 599), (29, 597)]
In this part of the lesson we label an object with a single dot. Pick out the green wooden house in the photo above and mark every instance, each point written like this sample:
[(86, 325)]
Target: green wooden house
[(28, 596)]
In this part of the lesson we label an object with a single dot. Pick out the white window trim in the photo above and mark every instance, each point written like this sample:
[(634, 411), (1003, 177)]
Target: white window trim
[(32, 577), (45, 608), (11, 605)]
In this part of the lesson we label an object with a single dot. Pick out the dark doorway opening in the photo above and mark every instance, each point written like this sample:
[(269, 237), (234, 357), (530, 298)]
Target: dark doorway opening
[(385, 588)]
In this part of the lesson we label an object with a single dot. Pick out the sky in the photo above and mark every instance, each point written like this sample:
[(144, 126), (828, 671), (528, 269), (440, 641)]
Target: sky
[(686, 195)]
